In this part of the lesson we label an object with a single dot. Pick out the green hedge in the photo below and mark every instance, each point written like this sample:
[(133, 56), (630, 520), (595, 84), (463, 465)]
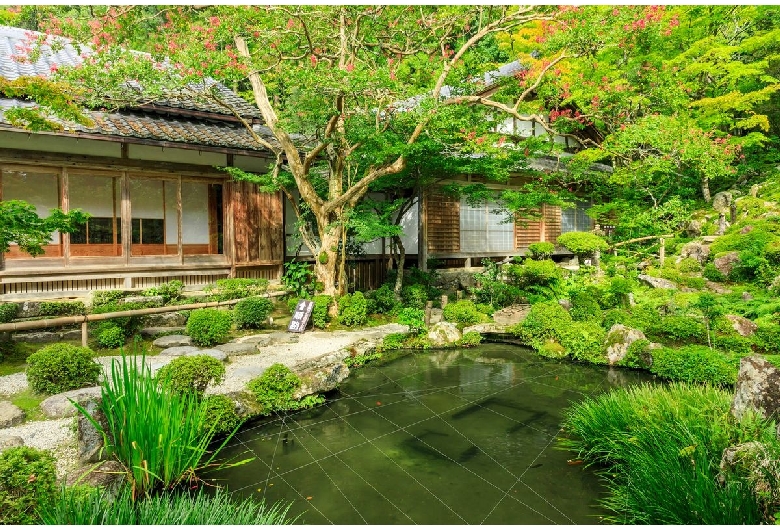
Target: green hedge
[(61, 367)]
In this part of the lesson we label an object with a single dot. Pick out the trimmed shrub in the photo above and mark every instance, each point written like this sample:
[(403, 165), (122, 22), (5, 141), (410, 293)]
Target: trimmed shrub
[(733, 344), (695, 364), (681, 328), (28, 480), (585, 306), (615, 316), (463, 312), (584, 341), (583, 244), (712, 274), (62, 308), (101, 298), (637, 355), (689, 265), (233, 288), (470, 339), (292, 303), (544, 322), (414, 318), (61, 367), (220, 414), (191, 374), (8, 312), (319, 313), (110, 335), (170, 291), (414, 296), (393, 341), (208, 327), (352, 309), (274, 390), (542, 273), (385, 300), (252, 313), (541, 250), (767, 338)]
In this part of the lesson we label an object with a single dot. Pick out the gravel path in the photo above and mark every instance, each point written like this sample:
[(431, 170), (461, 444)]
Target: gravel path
[(13, 384), (58, 436)]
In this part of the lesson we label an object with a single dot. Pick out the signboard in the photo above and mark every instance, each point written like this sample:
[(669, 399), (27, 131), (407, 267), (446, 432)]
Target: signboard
[(301, 316)]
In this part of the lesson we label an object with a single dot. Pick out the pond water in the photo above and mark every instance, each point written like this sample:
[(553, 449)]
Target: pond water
[(443, 437)]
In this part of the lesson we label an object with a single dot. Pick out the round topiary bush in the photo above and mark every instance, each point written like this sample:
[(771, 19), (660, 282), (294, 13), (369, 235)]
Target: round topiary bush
[(111, 336), (28, 479), (252, 313), (61, 367), (275, 388), (8, 312), (191, 374), (414, 318), (583, 244), (220, 415), (462, 312), (352, 309), (541, 250), (208, 327)]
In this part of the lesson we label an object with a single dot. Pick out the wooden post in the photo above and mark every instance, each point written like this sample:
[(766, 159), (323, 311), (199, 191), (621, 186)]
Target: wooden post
[(662, 251), (459, 295), (428, 309), (84, 334), (422, 232), (444, 301)]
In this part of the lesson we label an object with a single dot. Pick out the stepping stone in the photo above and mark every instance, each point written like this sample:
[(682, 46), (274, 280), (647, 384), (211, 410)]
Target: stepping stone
[(178, 351), (170, 341), (232, 348), (59, 405), (216, 354), (153, 332), (252, 339), (7, 442), (10, 414)]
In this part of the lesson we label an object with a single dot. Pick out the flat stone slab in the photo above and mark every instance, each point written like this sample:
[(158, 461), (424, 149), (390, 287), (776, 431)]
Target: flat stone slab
[(252, 339), (59, 405), (216, 354), (8, 441), (152, 332), (10, 415), (178, 351), (170, 341), (232, 348), (489, 327)]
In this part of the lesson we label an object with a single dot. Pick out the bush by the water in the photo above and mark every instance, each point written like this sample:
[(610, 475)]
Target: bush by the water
[(28, 479), (95, 506), (191, 374), (61, 367), (352, 309), (414, 296), (385, 300), (663, 447), (546, 321), (695, 363), (470, 339), (463, 312), (412, 317), (252, 312), (583, 341), (274, 390), (208, 327), (220, 415)]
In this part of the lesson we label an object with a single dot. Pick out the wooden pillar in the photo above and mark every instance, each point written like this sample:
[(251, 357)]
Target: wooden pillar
[(444, 301), (179, 246), (127, 221), (84, 334), (428, 308), (65, 205), (662, 251), (2, 254), (422, 232)]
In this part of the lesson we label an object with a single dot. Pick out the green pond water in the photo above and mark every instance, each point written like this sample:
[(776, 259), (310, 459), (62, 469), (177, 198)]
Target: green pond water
[(443, 437)]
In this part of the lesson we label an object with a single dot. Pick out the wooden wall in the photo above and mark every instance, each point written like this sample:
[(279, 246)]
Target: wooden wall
[(258, 225), (443, 223)]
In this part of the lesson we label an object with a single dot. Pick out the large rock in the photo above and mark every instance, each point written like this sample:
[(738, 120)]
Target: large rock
[(758, 388), (619, 339), (169, 341), (234, 349), (155, 332), (722, 201), (693, 228), (695, 250), (216, 354), (455, 280), (90, 439), (164, 320), (656, 283), (10, 415), (109, 475), (322, 374), (512, 314), (716, 288), (742, 325), (437, 315), (36, 337), (151, 301), (443, 333), (8, 441), (60, 406), (726, 263), (178, 351)]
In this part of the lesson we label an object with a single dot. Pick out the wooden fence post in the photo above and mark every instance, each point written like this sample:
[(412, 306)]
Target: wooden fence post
[(662, 251)]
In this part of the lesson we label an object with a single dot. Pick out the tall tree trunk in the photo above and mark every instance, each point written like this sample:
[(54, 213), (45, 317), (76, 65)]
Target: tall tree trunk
[(326, 261), (705, 189), (399, 278)]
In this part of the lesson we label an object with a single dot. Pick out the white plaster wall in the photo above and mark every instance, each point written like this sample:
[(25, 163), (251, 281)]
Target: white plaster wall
[(195, 215), (93, 195), (170, 154), (146, 198), (171, 214), (38, 189), (59, 144), (252, 164)]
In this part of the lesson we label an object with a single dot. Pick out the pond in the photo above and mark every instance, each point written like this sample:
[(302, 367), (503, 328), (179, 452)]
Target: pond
[(442, 437)]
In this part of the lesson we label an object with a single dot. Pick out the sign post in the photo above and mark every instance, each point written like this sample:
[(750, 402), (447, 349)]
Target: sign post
[(301, 316)]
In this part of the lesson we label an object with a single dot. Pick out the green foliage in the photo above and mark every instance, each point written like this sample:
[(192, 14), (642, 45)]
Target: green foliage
[(585, 305), (156, 434), (102, 298), (583, 244), (234, 288), (415, 296), (96, 506), (28, 479), (767, 338), (615, 316), (170, 291), (110, 335), (61, 367), (583, 341), (470, 339), (208, 327), (8, 312), (546, 321), (689, 265), (191, 374), (619, 288), (637, 355), (20, 224), (63, 308), (393, 341), (663, 446), (463, 312), (274, 390), (534, 273), (680, 328), (298, 278), (319, 313), (385, 300), (541, 250), (712, 274), (352, 309), (414, 318), (494, 291), (220, 415), (694, 363), (355, 360), (252, 312), (735, 345)]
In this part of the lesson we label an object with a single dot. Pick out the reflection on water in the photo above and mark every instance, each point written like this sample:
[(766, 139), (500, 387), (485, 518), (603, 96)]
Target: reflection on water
[(444, 437)]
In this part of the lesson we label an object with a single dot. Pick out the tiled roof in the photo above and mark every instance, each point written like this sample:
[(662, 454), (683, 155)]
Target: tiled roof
[(14, 51), (154, 127)]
